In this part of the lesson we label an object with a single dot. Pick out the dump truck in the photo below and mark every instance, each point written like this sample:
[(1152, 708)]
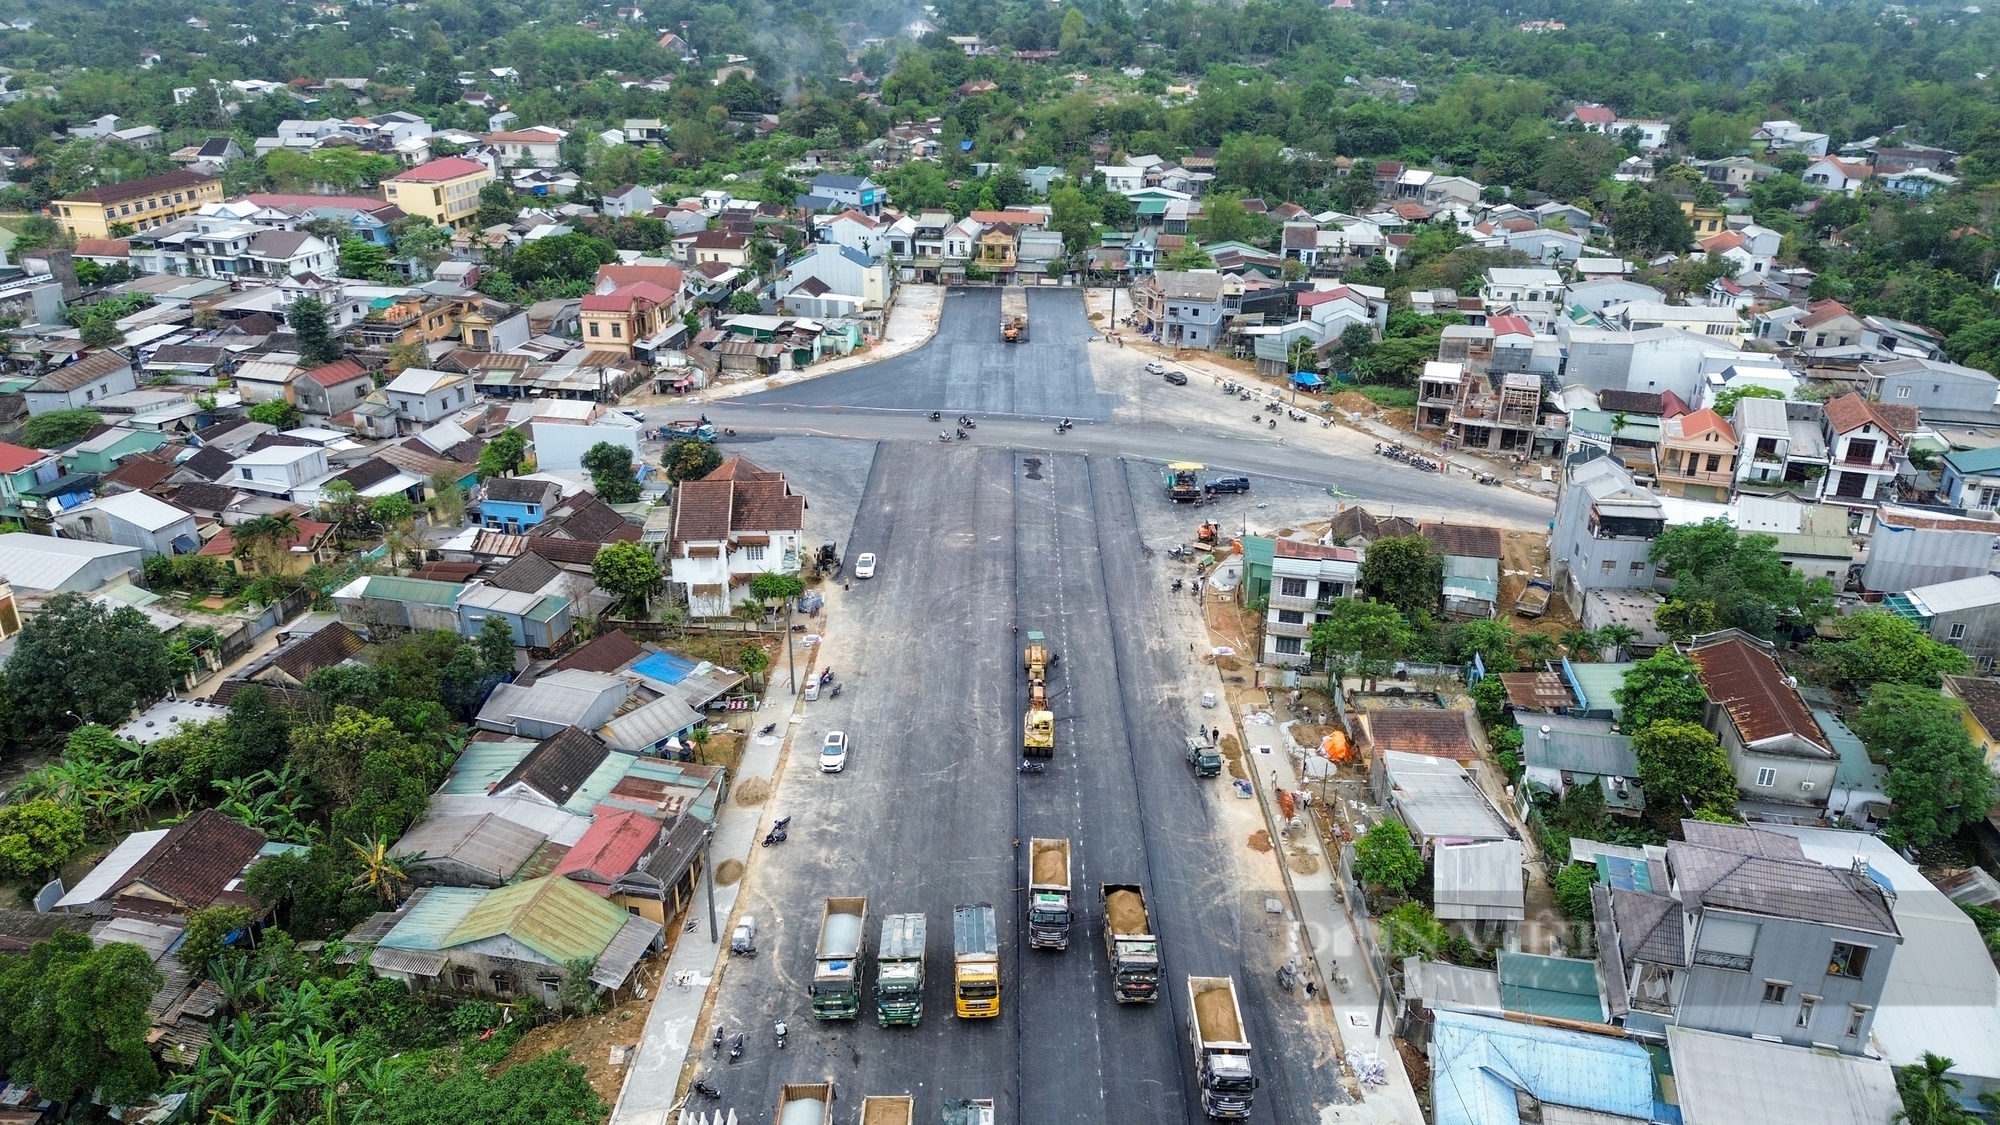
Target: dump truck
[(968, 1111), (836, 984), (1221, 1049), (697, 428), (1048, 894), (899, 971), (1129, 944), (975, 961), (1038, 723), (1184, 482), (1014, 314), (805, 1103), (886, 1109), (1203, 758)]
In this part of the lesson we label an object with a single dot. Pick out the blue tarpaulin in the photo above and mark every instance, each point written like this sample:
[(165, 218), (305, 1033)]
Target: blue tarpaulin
[(1306, 379)]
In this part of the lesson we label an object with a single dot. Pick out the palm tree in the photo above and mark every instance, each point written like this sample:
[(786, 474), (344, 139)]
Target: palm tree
[(1616, 637), (1538, 647), (380, 871), (266, 538), (1581, 644), (1930, 1093)]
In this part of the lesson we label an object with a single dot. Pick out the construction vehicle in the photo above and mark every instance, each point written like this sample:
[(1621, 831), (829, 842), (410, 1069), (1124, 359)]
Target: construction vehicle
[(1038, 724), (1184, 482), (975, 961), (1014, 314), (899, 971), (1048, 894), (888, 1109), (1221, 1049), (1209, 533), (836, 983), (1129, 944), (968, 1111), (805, 1103), (694, 428), (1202, 757)]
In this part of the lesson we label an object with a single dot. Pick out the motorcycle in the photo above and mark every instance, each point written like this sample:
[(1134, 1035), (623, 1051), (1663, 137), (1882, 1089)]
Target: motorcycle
[(944, 437), (962, 435), (1031, 766), (1286, 978), (836, 690), (777, 834), (715, 1044), (966, 421), (736, 1049), (1256, 418), (706, 1090), (937, 415), (766, 729), (1244, 395), (1179, 584), (826, 676), (782, 1031), (1274, 423)]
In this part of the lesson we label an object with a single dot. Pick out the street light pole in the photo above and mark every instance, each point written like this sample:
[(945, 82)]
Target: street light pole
[(708, 862), (791, 659)]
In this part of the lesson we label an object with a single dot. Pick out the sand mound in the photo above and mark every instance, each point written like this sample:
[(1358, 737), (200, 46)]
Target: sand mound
[(728, 871), (752, 792)]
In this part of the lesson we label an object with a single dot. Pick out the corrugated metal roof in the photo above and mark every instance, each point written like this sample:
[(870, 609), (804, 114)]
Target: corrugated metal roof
[(551, 915), (110, 871), (485, 843), (1437, 983), (428, 923), (421, 591), (1479, 881), (637, 937), (646, 726), (1563, 987), (1436, 798), (1478, 1062), (1727, 1079)]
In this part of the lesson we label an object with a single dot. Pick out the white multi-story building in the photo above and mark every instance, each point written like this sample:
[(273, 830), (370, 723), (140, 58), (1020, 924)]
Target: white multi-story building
[(1306, 579), (733, 524)]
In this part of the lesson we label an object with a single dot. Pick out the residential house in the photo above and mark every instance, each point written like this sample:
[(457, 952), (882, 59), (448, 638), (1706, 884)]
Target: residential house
[(1831, 173), (445, 191), (1939, 390), (522, 940), (106, 450), (391, 603), (268, 378), (1779, 445), (514, 504), (1496, 410), (1604, 531), (833, 281), (1719, 325), (1561, 751), (1971, 479), (539, 622), (1783, 763), (639, 864), (34, 564), (1981, 713), (1182, 309), (166, 874), (625, 317), (336, 388), (1912, 548), (1735, 931), (1471, 567), (23, 468), (737, 522), (141, 204), (538, 146), (1789, 136), (313, 544), (629, 200), (427, 396), (1534, 293), (469, 850), (1918, 183), (133, 519), (1602, 293), (1864, 448), (278, 470), (95, 376), (1698, 456), (1306, 580), (859, 192), (1964, 614)]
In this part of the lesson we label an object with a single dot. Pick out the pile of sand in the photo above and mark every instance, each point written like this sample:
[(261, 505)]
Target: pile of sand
[(1049, 866), (728, 871), (1125, 912), (751, 792), (1217, 1016), (1228, 664), (1260, 840)]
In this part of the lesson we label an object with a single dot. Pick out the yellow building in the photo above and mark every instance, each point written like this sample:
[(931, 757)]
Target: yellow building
[(445, 191), (1981, 716), (139, 204)]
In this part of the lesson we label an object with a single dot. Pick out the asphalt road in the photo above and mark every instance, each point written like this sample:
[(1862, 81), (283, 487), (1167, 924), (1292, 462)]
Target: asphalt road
[(972, 543)]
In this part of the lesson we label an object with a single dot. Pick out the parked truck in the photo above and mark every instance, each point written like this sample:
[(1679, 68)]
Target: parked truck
[(1038, 724), (884, 1109), (968, 1111), (1221, 1049), (1184, 482), (1203, 758), (1014, 314), (697, 428), (836, 985), (1129, 945), (899, 971), (805, 1103), (975, 961), (1048, 894)]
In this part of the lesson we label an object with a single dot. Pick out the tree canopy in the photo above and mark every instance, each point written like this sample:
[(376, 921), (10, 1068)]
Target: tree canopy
[(78, 662), (1878, 647), (1938, 781), (611, 474), (1665, 685), (1404, 572), (1684, 770), (1741, 577)]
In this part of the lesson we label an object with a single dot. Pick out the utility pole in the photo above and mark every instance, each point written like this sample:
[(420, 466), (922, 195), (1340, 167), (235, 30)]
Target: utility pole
[(791, 660), (708, 862)]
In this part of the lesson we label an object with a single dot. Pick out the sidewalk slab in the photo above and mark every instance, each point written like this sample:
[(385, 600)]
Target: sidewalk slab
[(913, 320)]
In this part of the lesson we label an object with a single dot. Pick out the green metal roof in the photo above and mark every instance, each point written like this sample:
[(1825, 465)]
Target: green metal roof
[(482, 764), (547, 608), (1969, 461), (1856, 770), (427, 923), (1599, 683), (419, 590), (1563, 987), (550, 915)]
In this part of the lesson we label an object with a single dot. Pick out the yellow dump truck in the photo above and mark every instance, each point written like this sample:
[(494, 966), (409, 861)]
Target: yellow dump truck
[(1014, 314), (1038, 724), (975, 961)]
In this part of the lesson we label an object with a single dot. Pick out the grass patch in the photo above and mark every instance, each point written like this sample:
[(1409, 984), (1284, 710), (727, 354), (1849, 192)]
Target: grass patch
[(1403, 397)]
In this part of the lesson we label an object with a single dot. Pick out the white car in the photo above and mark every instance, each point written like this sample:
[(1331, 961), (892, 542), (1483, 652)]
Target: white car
[(1156, 368), (833, 752), (635, 415), (864, 567)]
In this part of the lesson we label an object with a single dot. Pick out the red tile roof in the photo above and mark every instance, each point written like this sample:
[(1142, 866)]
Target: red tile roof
[(193, 865), (14, 458), (1293, 549), (1748, 684), (1595, 114), (1704, 420), (1017, 218), (338, 372), (1819, 312), (669, 278), (300, 202), (443, 168), (1851, 411), (612, 846), (1510, 326), (103, 248)]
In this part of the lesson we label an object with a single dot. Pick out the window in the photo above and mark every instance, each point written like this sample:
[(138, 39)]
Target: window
[(1292, 587), (1291, 617), (1903, 391), (1850, 961), (1638, 567), (1774, 991), (1958, 631), (1725, 943), (464, 979), (1607, 566), (1766, 777), (593, 328), (503, 984), (753, 554), (1289, 646), (1714, 462), (1806, 1006), (1857, 1014)]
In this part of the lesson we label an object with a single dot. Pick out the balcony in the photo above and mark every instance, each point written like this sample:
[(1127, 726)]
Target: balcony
[(1290, 601), (1287, 629)]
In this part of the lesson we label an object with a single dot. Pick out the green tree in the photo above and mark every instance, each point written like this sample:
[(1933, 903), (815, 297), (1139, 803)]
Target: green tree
[(611, 473), (207, 931), (1665, 685), (1413, 931), (1224, 219), (565, 257), (317, 347), (1074, 216), (1647, 223), (495, 645), (550, 1090), (1404, 572), (359, 258), (277, 412), (382, 872), (1369, 631), (497, 207), (1190, 256), (36, 837), (691, 459), (78, 662), (775, 587), (1742, 576), (1885, 648), (101, 332), (335, 754), (628, 570), (1494, 642), (58, 428), (1489, 699), (1384, 857), (504, 454), (1684, 770), (753, 661), (1725, 403), (1938, 781), (1572, 886), (77, 1020), (744, 301), (1930, 1094)]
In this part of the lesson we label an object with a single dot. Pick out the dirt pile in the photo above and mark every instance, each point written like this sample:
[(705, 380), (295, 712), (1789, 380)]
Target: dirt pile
[(728, 871), (1260, 840), (751, 792), (1049, 866), (1125, 912), (1217, 1016)]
